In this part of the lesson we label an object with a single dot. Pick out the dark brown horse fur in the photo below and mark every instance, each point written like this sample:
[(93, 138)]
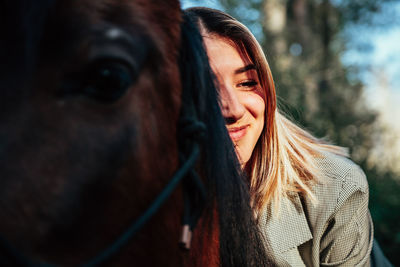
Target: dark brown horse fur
[(79, 160)]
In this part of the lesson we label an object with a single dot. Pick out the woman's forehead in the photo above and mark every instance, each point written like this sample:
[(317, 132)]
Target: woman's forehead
[(224, 51)]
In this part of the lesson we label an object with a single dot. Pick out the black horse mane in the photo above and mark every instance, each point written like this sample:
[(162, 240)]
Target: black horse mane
[(241, 243)]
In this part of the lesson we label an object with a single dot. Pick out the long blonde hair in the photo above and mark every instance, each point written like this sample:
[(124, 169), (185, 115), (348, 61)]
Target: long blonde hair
[(283, 159)]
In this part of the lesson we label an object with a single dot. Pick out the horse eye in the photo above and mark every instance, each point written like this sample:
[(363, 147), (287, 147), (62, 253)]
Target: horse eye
[(107, 81)]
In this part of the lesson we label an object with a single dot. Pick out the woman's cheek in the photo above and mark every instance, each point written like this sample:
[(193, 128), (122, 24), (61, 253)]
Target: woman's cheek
[(255, 104)]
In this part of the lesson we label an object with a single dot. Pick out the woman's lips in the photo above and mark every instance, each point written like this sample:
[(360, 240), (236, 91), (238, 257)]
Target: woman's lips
[(236, 133)]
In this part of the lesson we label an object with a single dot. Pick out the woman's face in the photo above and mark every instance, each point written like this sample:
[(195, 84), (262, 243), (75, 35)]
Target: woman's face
[(242, 98)]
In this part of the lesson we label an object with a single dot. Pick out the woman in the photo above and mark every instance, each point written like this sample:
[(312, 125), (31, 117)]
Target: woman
[(310, 201)]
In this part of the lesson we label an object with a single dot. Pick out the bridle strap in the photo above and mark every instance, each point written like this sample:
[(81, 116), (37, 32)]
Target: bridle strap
[(20, 260), (154, 207), (192, 132)]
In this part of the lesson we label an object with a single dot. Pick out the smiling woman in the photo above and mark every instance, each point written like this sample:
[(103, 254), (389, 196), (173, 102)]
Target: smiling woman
[(242, 98), (311, 202)]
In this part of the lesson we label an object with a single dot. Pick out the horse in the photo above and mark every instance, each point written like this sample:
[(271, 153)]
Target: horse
[(110, 130)]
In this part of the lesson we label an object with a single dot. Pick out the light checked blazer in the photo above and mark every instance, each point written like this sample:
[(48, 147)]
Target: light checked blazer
[(337, 231)]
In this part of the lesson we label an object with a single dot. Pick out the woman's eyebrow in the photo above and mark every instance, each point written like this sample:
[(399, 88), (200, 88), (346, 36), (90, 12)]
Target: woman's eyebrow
[(245, 68)]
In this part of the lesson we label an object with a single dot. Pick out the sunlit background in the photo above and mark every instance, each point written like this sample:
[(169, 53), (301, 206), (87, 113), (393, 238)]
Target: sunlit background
[(336, 65)]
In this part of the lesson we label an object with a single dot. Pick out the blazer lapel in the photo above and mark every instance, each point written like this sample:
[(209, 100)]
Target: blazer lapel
[(287, 230)]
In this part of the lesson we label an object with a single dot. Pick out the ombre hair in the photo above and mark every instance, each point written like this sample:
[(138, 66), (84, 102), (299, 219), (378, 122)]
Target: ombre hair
[(284, 158)]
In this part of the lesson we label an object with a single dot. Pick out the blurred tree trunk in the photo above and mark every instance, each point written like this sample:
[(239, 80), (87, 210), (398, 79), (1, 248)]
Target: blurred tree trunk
[(300, 43)]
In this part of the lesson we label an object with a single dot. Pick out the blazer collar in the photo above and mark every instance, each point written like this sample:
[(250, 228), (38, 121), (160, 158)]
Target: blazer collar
[(287, 230)]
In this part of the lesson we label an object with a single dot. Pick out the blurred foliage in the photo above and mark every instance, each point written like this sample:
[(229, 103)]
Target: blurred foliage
[(304, 41), (385, 210)]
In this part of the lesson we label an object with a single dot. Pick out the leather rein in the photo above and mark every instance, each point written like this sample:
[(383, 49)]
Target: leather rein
[(191, 132)]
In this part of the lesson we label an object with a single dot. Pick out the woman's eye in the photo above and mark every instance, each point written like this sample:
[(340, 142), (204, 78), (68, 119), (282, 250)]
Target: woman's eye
[(248, 84), (107, 81)]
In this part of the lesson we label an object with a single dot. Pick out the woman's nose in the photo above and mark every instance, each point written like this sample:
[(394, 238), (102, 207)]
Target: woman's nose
[(232, 108)]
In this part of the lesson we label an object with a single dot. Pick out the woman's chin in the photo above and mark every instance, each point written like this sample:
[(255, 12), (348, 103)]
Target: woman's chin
[(242, 157)]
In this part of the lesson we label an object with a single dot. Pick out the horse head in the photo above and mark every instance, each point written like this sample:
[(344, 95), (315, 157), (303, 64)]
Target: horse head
[(90, 99), (90, 96)]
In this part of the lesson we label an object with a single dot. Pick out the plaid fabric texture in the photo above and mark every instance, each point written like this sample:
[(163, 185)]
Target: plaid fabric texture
[(337, 231)]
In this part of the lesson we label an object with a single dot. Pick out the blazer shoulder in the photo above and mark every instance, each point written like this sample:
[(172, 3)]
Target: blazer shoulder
[(339, 170)]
